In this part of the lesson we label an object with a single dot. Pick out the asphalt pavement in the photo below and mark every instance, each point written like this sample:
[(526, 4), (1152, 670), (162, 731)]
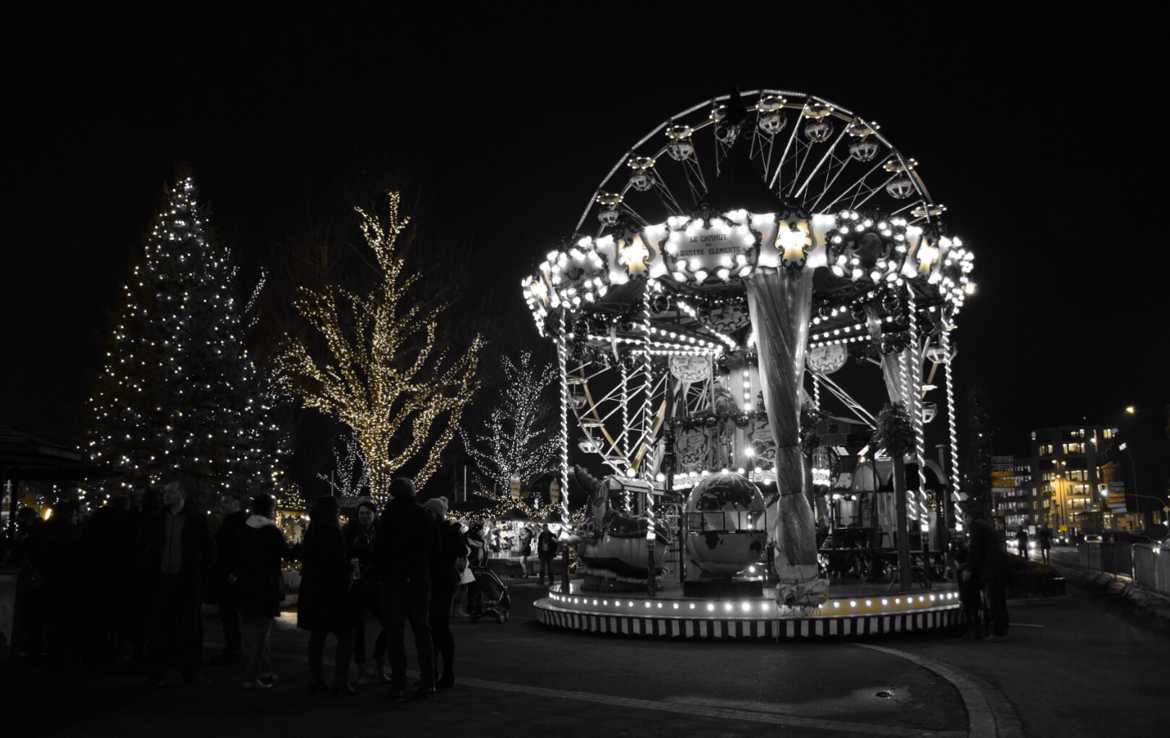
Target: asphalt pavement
[(1072, 666)]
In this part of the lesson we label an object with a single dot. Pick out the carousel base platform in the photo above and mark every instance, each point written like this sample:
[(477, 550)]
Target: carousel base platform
[(729, 589), (849, 612)]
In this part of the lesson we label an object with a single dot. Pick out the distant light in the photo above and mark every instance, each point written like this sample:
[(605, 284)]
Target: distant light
[(1130, 410)]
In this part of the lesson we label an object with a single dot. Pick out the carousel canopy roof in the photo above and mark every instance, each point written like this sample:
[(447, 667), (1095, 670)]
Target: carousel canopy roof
[(791, 182), (706, 256)]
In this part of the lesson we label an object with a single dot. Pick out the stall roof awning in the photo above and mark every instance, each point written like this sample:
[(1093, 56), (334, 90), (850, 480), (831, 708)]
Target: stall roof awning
[(25, 457)]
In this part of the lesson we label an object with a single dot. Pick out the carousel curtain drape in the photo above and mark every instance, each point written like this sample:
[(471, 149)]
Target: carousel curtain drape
[(780, 304)]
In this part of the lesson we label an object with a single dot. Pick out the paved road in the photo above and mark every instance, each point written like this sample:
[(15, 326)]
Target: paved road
[(1072, 667)]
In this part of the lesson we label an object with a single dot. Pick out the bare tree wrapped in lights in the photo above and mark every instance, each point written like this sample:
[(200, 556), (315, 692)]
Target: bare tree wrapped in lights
[(381, 374), (516, 441), (350, 475), (179, 390)]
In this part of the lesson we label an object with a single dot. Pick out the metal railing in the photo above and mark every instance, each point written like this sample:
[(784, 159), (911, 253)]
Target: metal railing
[(725, 521), (1148, 564)]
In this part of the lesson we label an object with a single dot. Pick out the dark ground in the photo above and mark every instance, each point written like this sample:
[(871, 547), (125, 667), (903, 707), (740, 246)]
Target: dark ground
[(1077, 665)]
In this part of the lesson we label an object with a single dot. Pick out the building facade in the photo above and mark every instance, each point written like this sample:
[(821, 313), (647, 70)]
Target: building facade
[(1013, 496), (1074, 483)]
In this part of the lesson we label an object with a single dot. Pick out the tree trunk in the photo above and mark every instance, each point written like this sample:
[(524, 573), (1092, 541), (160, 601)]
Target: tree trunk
[(904, 573)]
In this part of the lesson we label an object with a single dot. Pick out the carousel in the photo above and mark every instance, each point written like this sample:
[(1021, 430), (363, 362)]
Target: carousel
[(754, 288)]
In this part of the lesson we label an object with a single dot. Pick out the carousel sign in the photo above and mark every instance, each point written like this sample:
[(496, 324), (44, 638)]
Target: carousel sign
[(708, 247)]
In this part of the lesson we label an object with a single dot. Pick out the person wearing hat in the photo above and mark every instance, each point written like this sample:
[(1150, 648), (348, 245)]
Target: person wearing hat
[(448, 563), (405, 548)]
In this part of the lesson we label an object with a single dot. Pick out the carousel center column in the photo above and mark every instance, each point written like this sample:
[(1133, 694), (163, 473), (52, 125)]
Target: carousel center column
[(780, 304)]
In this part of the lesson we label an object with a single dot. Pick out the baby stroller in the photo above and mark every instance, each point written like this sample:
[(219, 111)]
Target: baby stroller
[(488, 596)]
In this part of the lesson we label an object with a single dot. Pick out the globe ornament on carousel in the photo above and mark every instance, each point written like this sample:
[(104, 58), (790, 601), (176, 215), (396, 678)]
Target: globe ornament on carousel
[(725, 535), (727, 268)]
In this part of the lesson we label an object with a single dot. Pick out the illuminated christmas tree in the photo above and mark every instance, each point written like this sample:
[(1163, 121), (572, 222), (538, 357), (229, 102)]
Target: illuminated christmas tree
[(517, 439), (274, 437), (378, 370), (179, 390)]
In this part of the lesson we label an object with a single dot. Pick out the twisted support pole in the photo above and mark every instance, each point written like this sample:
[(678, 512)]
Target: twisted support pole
[(563, 368), (647, 466), (952, 426), (915, 409), (904, 392), (625, 438)]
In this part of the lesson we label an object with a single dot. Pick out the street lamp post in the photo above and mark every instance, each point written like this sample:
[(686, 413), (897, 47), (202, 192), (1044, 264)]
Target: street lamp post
[(1131, 411)]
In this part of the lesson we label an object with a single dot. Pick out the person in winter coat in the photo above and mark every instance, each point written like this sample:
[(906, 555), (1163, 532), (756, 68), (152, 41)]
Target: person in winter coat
[(406, 548), (989, 562), (28, 628), (525, 550), (323, 605), (108, 542), (225, 592), (546, 549), (476, 542), (257, 577), (1045, 543), (970, 589), (145, 506), (59, 558), (449, 560), (366, 594), (175, 547)]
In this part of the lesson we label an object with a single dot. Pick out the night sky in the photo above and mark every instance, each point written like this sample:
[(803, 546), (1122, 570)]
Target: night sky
[(1041, 134)]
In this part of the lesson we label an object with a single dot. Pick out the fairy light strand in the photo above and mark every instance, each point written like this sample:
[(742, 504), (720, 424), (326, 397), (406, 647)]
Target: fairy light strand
[(562, 368), (647, 466), (625, 378), (515, 441), (647, 383), (915, 362), (383, 376), (904, 388), (179, 390), (952, 426)]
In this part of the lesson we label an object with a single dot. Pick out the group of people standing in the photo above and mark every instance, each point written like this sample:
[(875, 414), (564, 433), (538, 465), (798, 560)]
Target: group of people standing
[(1043, 540), (160, 562), (983, 571), (403, 567)]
